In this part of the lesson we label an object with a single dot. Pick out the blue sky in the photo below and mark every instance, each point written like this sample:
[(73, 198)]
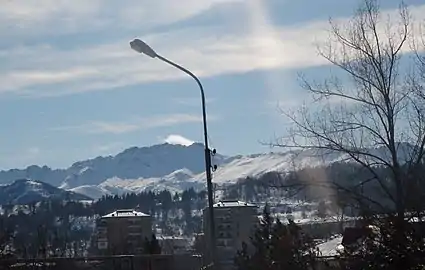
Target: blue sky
[(72, 89)]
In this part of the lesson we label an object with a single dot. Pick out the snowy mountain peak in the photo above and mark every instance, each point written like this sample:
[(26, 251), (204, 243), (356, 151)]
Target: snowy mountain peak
[(180, 175), (23, 191), (167, 166), (139, 162), (166, 162)]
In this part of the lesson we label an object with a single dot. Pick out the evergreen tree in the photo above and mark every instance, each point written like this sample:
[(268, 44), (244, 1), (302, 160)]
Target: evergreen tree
[(152, 246), (261, 243), (277, 246), (322, 209), (242, 259), (155, 247)]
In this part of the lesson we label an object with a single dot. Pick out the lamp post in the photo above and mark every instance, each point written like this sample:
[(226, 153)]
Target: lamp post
[(141, 47)]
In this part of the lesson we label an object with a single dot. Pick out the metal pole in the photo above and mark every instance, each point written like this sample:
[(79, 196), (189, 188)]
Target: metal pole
[(207, 158)]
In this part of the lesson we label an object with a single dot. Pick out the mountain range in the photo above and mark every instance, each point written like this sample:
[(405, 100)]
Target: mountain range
[(164, 166), (24, 191)]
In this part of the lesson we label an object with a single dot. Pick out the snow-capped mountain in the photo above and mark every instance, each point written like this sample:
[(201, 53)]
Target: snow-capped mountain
[(175, 182), (24, 191), (165, 166), (145, 162), (230, 171)]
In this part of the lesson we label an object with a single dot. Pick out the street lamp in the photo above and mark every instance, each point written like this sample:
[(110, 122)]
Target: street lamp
[(141, 47)]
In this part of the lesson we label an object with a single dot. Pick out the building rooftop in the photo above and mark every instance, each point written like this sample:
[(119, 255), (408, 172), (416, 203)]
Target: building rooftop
[(125, 213), (233, 203)]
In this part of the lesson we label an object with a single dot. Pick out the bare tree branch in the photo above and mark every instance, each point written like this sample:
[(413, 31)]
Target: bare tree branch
[(381, 106)]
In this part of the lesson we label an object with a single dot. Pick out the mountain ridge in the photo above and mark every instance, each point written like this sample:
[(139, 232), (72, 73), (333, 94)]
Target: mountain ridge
[(134, 162), (169, 166), (25, 191)]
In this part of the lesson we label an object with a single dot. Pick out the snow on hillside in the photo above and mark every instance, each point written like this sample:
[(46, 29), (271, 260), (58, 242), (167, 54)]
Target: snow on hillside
[(94, 192), (147, 162), (168, 166), (136, 162), (231, 170), (332, 247), (175, 182), (24, 191), (240, 167)]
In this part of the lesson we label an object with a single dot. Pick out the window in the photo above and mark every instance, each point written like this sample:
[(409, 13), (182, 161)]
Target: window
[(133, 221), (221, 243), (102, 245)]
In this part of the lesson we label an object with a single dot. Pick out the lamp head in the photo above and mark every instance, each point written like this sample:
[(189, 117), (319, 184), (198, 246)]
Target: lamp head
[(141, 47)]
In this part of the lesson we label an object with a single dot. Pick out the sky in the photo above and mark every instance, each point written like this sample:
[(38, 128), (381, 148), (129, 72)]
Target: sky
[(72, 89)]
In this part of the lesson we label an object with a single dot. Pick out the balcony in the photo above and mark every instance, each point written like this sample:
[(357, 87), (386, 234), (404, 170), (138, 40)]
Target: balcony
[(224, 227), (224, 220), (134, 233), (224, 235), (225, 244)]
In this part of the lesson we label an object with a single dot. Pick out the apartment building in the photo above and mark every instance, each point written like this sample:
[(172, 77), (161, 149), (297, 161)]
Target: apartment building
[(174, 244), (235, 222), (123, 232)]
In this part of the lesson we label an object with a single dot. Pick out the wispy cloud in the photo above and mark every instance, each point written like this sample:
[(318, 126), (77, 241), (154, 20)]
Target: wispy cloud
[(107, 66), (191, 101), (100, 64), (178, 139), (101, 127), (59, 17)]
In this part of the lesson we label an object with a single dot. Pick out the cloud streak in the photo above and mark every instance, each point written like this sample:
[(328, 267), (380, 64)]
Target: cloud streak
[(48, 70), (178, 139), (116, 128), (191, 101), (31, 18), (114, 65)]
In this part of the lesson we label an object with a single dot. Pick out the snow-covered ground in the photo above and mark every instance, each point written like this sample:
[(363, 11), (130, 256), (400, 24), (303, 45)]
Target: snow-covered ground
[(331, 247)]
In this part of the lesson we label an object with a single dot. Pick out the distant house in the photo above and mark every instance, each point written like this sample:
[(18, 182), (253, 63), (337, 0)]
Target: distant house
[(123, 232)]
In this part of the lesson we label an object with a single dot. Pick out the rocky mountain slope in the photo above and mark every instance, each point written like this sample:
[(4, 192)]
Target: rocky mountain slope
[(26, 191), (146, 162), (165, 166)]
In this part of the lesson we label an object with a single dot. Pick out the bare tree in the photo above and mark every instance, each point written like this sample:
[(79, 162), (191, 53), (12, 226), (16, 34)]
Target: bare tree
[(371, 110)]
